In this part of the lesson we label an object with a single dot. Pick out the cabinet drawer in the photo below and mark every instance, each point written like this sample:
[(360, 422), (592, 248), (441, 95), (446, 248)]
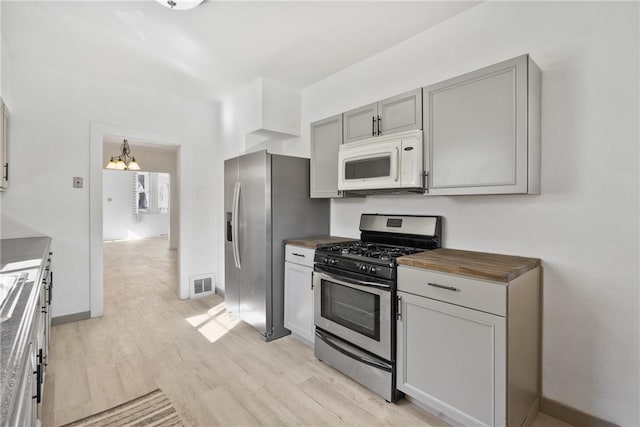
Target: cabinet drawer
[(480, 295), (299, 255)]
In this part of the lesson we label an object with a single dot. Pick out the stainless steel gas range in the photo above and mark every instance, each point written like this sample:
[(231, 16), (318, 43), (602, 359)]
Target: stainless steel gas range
[(354, 293)]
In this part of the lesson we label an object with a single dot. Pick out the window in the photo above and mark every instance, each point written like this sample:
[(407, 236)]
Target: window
[(142, 190), (152, 192)]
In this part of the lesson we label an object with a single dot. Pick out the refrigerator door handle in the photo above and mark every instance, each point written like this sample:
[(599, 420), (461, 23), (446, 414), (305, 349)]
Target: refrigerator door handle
[(234, 225)]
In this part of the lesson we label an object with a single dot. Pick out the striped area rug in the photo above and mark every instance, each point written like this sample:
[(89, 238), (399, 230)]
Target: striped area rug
[(153, 409)]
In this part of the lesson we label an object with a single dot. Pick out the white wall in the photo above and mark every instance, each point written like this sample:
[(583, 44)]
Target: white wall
[(242, 119), (151, 225), (584, 225), (117, 203), (52, 109), (119, 219), (155, 159)]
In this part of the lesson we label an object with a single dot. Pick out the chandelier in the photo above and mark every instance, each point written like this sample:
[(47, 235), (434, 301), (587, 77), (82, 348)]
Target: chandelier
[(125, 160), (180, 4)]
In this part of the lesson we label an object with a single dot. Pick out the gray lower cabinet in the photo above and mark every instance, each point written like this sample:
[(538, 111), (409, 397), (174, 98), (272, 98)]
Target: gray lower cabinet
[(28, 406), (43, 322), (298, 291), (28, 333), (326, 137), (467, 349), (26, 411), (4, 146), (482, 131), (396, 114)]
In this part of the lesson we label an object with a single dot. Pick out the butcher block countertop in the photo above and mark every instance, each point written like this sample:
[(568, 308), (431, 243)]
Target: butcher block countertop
[(479, 265), (313, 242)]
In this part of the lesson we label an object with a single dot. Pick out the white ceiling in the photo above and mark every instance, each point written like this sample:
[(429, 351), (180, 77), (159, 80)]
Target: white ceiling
[(115, 141), (218, 47)]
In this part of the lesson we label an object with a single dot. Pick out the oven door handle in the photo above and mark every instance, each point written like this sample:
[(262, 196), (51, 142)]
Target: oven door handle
[(354, 282), (331, 343)]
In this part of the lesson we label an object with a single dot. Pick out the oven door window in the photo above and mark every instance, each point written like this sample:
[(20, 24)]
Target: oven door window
[(373, 167), (351, 308)]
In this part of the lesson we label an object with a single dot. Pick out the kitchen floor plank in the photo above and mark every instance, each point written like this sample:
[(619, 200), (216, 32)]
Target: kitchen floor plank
[(216, 370)]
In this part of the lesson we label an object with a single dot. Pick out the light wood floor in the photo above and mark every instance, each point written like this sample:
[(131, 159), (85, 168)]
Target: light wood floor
[(215, 370)]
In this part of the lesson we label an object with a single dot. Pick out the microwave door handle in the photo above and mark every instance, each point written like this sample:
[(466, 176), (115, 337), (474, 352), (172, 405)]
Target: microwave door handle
[(397, 164)]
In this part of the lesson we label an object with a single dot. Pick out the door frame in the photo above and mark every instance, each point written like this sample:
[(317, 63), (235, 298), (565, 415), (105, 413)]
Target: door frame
[(96, 262)]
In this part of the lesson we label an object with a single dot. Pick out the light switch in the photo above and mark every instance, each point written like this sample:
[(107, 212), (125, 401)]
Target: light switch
[(77, 182)]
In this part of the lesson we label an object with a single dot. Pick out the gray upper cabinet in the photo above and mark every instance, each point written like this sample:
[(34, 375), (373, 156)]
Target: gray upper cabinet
[(482, 131), (396, 114), (400, 113), (360, 123), (326, 137)]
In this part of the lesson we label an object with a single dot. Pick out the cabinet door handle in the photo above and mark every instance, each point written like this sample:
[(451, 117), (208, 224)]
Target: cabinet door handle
[(379, 120), (448, 288), (50, 287), (38, 373), (373, 126), (6, 171), (399, 309)]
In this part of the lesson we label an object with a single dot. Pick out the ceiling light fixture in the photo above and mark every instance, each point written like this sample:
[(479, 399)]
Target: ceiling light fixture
[(180, 4), (125, 160)]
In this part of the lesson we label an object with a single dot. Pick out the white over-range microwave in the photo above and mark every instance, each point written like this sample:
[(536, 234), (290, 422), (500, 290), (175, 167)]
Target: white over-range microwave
[(391, 163)]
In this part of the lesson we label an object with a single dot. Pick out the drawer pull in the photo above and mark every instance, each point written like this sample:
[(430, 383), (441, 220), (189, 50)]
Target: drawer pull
[(296, 254), (449, 288)]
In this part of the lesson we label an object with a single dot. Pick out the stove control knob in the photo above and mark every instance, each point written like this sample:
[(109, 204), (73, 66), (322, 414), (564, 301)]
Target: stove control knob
[(363, 268), (373, 270), (325, 260), (333, 261)]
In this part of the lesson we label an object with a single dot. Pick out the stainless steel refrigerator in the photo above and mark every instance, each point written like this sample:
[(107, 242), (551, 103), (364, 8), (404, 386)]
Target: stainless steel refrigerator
[(266, 200)]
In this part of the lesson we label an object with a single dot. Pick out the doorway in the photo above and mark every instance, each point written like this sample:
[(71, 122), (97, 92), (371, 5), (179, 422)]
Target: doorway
[(156, 154), (139, 243)]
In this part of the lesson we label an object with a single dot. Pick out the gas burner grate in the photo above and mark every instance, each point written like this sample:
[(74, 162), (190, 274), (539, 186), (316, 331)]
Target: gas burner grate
[(371, 250)]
